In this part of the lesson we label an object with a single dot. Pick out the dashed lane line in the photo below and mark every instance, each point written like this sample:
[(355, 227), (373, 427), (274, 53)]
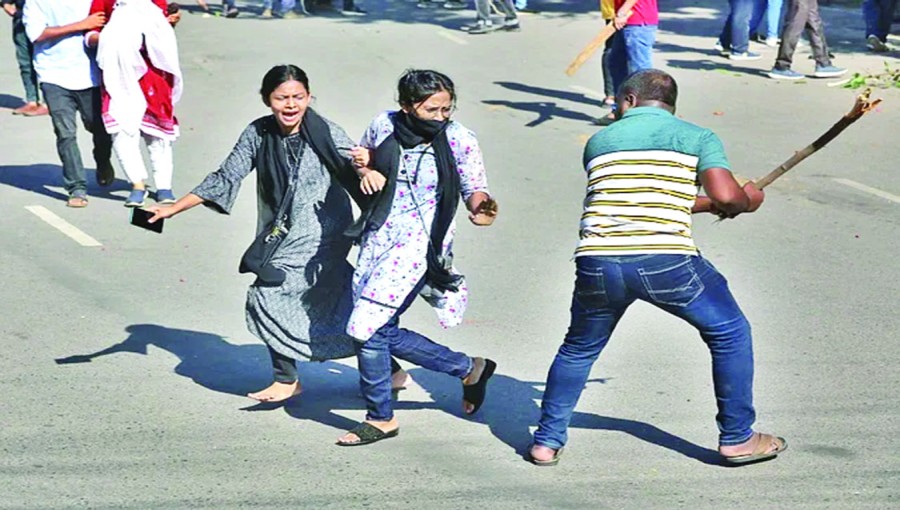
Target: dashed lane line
[(63, 226), (868, 189)]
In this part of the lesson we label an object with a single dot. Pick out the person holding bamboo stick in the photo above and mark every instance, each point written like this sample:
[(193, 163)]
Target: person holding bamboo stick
[(636, 244)]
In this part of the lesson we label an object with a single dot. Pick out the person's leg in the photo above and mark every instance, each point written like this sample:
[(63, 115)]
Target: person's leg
[(885, 18), (286, 384), (618, 61), (374, 359), (608, 89), (598, 303), (773, 19), (815, 30), (794, 24), (483, 11), (161, 161), (741, 12), (725, 35), (128, 152), (24, 51), (692, 289), (639, 40), (90, 105), (63, 109), (757, 15)]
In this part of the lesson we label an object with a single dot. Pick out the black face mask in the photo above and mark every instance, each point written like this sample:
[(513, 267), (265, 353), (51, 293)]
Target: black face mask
[(412, 130)]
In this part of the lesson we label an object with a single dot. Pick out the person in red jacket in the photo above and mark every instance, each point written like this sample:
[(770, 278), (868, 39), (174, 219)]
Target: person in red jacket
[(140, 45)]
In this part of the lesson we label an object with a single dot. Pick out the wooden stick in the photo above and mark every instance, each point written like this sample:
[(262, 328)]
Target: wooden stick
[(589, 50), (598, 41), (862, 106)]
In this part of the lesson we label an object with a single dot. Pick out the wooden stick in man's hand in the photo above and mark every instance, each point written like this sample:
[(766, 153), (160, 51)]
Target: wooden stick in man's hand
[(862, 106), (598, 41)]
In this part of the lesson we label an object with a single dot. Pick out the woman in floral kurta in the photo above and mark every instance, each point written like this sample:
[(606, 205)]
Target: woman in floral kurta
[(393, 268)]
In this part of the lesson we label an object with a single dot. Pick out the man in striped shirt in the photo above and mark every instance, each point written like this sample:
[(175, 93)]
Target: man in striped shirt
[(636, 243)]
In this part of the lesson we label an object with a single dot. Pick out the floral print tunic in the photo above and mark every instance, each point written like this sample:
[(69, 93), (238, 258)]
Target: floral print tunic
[(392, 259)]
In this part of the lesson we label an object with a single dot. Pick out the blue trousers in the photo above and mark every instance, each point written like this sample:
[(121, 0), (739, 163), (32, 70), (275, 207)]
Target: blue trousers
[(878, 15), (736, 32), (688, 287), (632, 51), (374, 358)]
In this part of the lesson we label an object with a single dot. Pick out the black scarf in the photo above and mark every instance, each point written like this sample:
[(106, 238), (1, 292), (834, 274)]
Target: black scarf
[(411, 131), (272, 164)]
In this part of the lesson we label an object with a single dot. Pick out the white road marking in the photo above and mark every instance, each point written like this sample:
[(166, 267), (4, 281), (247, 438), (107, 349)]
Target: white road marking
[(450, 36), (62, 225), (588, 92), (868, 189)]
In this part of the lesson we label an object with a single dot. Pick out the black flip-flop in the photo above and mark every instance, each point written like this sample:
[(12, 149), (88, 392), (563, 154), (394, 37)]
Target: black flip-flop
[(475, 393), (369, 434), (544, 463)]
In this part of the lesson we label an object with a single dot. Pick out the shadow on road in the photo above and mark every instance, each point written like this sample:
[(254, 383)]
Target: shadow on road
[(513, 407), (39, 177), (510, 410), (11, 102)]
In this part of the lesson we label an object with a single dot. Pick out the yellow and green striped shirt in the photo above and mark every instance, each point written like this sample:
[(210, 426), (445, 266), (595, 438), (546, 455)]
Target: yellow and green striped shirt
[(642, 176)]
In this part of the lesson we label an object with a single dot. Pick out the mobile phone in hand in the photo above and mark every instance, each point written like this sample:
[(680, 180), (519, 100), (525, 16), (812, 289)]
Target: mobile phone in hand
[(141, 218)]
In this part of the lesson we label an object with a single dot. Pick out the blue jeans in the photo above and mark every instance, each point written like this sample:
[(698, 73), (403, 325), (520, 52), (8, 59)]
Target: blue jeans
[(771, 11), (286, 5), (632, 51), (688, 287), (878, 15), (374, 358), (736, 32)]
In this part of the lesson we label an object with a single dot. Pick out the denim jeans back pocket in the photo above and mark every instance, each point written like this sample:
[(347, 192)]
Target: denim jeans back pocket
[(590, 288), (676, 284)]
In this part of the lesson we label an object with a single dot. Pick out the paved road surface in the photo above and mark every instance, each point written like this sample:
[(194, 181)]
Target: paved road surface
[(148, 413)]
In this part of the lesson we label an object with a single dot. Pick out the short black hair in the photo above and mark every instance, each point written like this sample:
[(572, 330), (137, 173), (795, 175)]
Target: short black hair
[(281, 74), (651, 85), (417, 85)]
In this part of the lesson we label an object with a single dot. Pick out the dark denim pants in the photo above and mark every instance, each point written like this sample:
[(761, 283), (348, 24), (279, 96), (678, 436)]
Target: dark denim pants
[(878, 15), (64, 104), (802, 15), (632, 51), (374, 358), (688, 287), (736, 32), (24, 50)]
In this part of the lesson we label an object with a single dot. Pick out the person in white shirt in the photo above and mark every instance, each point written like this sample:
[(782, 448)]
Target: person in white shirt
[(70, 83)]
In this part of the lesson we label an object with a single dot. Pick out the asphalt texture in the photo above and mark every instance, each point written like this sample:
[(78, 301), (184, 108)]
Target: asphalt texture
[(123, 366)]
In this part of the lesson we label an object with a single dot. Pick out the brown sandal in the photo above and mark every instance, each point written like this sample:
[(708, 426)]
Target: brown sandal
[(767, 447)]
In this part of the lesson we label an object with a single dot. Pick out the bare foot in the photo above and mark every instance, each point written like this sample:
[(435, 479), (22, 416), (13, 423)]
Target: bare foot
[(542, 453), (399, 380), (277, 392), (384, 426), (758, 447)]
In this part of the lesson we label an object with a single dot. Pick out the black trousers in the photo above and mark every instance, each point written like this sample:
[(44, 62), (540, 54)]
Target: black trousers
[(285, 368)]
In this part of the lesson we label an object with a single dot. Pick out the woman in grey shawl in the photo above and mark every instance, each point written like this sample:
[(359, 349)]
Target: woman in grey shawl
[(300, 301)]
